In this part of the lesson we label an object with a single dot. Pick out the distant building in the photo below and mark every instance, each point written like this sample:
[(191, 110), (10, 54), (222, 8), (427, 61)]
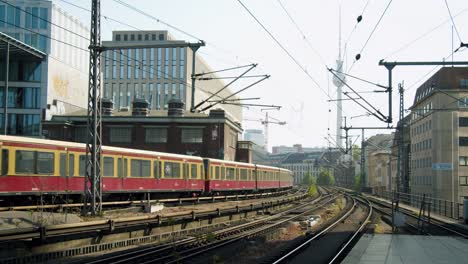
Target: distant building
[(64, 72), (143, 69), (174, 131), (378, 170), (296, 148), (439, 136), (301, 164), (256, 136)]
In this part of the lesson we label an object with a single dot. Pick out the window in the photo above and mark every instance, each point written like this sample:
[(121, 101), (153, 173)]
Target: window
[(156, 135), (106, 64), (193, 171), (166, 63), (146, 37), (5, 160), (143, 70), (140, 37), (122, 64), (140, 168), (463, 102), (132, 37), (171, 169), (120, 135), (150, 97), (243, 174), (34, 162), (2, 16), (230, 173), (174, 88), (463, 121), (129, 64), (217, 174), (71, 165), (166, 95), (153, 37), (63, 164), (185, 174), (137, 63), (108, 167), (161, 36), (464, 83), (181, 63), (158, 96), (82, 165), (125, 37), (159, 51), (223, 173), (151, 69), (463, 141), (463, 180), (117, 37), (157, 169), (463, 161), (114, 64), (192, 135)]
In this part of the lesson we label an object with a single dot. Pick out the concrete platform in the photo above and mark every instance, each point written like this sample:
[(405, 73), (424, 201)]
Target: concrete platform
[(405, 249)]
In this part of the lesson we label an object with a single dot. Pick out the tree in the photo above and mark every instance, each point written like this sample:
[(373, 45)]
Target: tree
[(356, 150), (325, 177), (308, 179), (357, 183)]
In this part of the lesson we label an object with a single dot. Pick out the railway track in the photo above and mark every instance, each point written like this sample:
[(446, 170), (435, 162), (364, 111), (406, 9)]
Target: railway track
[(187, 249), (196, 200), (332, 250)]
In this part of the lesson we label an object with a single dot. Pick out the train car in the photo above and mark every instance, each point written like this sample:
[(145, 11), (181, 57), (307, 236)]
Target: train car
[(32, 166), (286, 178), (226, 176), (267, 178)]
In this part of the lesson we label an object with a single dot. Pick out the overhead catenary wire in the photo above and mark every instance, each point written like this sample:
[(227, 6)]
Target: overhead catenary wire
[(453, 22), (425, 34), (358, 20), (285, 50), (358, 56), (301, 32)]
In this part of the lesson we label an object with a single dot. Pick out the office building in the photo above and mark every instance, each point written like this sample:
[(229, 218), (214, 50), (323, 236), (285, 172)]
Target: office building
[(256, 136), (60, 84), (152, 65), (439, 136)]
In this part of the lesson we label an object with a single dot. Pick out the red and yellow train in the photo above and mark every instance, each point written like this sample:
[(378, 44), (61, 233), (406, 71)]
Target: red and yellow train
[(32, 166)]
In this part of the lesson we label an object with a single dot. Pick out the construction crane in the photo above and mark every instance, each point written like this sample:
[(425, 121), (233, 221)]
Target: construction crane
[(265, 122)]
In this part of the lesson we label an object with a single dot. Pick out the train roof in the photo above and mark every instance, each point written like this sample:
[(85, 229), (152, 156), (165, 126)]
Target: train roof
[(105, 148), (228, 162)]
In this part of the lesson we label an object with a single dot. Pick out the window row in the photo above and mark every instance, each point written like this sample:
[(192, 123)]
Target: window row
[(19, 97), (154, 135), (423, 145), (22, 124), (37, 162), (421, 163), (139, 37), (140, 63), (463, 161), (463, 180), (422, 128), (25, 71), (157, 95), (422, 180), (463, 141)]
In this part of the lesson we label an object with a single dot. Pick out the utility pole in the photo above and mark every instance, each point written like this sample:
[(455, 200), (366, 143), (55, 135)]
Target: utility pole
[(363, 160), (92, 182), (400, 130), (194, 48)]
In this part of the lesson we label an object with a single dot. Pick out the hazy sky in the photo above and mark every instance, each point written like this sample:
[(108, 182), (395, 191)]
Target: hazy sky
[(234, 38)]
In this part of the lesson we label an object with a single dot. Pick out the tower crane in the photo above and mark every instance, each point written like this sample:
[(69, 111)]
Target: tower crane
[(265, 122)]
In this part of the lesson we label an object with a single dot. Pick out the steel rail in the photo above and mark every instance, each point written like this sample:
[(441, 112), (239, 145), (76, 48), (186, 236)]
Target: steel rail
[(325, 230), (358, 231), (224, 236), (142, 202)]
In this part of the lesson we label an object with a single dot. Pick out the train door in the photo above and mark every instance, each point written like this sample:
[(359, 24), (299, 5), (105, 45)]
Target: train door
[(255, 177), (157, 173), (185, 175), (122, 171)]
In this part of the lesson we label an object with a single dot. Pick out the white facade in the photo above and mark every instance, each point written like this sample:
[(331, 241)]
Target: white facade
[(43, 25), (256, 136)]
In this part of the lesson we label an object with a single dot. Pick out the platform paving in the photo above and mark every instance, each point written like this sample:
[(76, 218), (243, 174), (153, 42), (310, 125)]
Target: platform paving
[(405, 249)]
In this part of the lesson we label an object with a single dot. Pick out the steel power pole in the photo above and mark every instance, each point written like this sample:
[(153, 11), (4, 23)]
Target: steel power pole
[(92, 183), (194, 48), (400, 128)]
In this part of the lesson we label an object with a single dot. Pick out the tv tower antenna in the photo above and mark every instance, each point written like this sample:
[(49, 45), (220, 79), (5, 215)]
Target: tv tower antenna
[(338, 81)]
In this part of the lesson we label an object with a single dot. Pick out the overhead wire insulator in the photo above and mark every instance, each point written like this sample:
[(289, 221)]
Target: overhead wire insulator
[(358, 56), (359, 18)]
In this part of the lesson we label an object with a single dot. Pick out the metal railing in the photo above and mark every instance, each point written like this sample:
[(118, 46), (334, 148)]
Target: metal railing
[(438, 206)]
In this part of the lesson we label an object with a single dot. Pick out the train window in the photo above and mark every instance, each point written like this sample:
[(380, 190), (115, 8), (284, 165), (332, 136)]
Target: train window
[(230, 173), (140, 168), (243, 174), (218, 174), (186, 172), (4, 161), (119, 168), (24, 161), (108, 167), (193, 171), (45, 163), (82, 165), (171, 170), (71, 164), (63, 164)]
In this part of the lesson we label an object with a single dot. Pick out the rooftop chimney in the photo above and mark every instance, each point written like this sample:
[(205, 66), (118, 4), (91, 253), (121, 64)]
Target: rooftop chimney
[(140, 107), (175, 107), (107, 106)]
